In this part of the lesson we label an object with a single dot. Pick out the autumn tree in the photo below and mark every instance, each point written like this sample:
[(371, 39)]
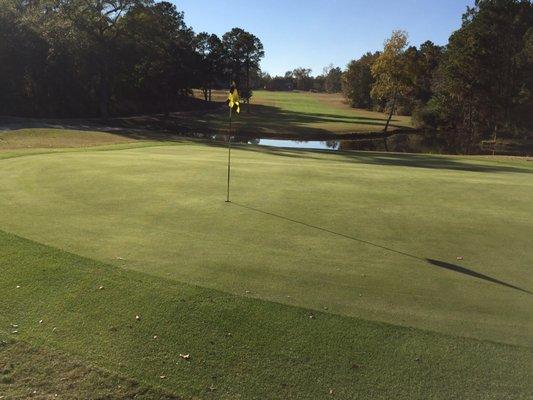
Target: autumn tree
[(391, 78)]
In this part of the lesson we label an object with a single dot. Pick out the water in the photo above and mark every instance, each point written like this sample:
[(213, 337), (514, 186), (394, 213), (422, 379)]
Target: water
[(312, 144), (430, 143)]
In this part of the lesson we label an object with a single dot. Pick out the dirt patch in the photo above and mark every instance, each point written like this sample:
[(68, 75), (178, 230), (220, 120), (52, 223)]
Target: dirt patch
[(27, 372)]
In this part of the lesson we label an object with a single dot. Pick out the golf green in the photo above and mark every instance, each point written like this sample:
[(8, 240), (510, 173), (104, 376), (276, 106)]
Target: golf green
[(439, 243)]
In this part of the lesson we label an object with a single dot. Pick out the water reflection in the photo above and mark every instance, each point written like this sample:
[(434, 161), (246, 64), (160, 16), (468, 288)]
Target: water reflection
[(298, 144), (429, 143), (406, 143)]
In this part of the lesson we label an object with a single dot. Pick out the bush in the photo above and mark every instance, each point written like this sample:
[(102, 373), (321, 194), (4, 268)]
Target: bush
[(427, 116)]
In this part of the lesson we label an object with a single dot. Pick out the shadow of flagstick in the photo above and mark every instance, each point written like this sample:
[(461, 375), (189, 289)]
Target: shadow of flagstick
[(437, 263)]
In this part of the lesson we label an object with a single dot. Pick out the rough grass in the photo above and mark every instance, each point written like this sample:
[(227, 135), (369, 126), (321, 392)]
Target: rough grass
[(33, 372), (56, 138), (239, 347)]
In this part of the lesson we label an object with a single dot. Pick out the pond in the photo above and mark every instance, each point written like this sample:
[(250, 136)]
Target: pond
[(297, 144), (407, 143), (429, 143)]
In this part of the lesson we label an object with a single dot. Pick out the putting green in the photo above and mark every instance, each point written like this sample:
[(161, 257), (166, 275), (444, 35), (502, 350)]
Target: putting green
[(344, 233)]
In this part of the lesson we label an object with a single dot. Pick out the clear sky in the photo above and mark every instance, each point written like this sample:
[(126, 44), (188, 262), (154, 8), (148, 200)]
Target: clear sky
[(315, 33)]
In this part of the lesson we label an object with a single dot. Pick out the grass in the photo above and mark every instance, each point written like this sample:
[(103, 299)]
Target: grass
[(291, 114), (367, 243), (30, 372), (239, 347), (56, 138)]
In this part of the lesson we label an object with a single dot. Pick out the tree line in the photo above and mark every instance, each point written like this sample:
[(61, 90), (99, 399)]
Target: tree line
[(330, 81), (478, 86), (68, 58)]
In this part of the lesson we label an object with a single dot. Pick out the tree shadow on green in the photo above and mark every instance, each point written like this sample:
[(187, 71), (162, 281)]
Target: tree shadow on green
[(390, 159), (262, 121)]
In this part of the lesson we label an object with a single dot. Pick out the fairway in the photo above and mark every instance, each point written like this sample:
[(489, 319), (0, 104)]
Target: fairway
[(404, 251), (289, 114)]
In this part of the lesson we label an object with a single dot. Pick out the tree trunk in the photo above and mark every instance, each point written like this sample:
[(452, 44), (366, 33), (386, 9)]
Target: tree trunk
[(167, 102), (104, 88), (393, 106), (248, 84)]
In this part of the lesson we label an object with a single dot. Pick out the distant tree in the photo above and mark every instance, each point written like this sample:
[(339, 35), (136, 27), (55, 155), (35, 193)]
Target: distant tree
[(302, 78), (157, 50), (244, 51), (23, 55), (319, 83), (211, 63), (100, 22), (390, 73), (332, 79), (484, 83), (280, 83), (260, 80), (357, 81)]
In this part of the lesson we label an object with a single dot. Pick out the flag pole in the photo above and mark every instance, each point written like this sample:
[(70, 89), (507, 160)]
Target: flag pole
[(229, 156)]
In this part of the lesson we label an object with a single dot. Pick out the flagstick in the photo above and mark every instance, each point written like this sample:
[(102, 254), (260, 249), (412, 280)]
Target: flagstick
[(229, 156)]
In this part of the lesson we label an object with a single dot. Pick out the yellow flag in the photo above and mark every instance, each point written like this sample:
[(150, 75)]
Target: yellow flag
[(234, 101)]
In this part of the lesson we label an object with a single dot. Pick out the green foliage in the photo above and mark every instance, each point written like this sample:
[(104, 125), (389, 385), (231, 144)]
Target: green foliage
[(357, 81), (484, 82), (93, 57), (244, 51), (332, 79), (210, 69), (302, 78)]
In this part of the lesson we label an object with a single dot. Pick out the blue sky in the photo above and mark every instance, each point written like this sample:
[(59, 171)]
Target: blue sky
[(315, 33)]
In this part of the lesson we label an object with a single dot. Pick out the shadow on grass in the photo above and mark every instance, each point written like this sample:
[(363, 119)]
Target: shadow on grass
[(437, 263), (262, 121), (466, 271), (430, 161)]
